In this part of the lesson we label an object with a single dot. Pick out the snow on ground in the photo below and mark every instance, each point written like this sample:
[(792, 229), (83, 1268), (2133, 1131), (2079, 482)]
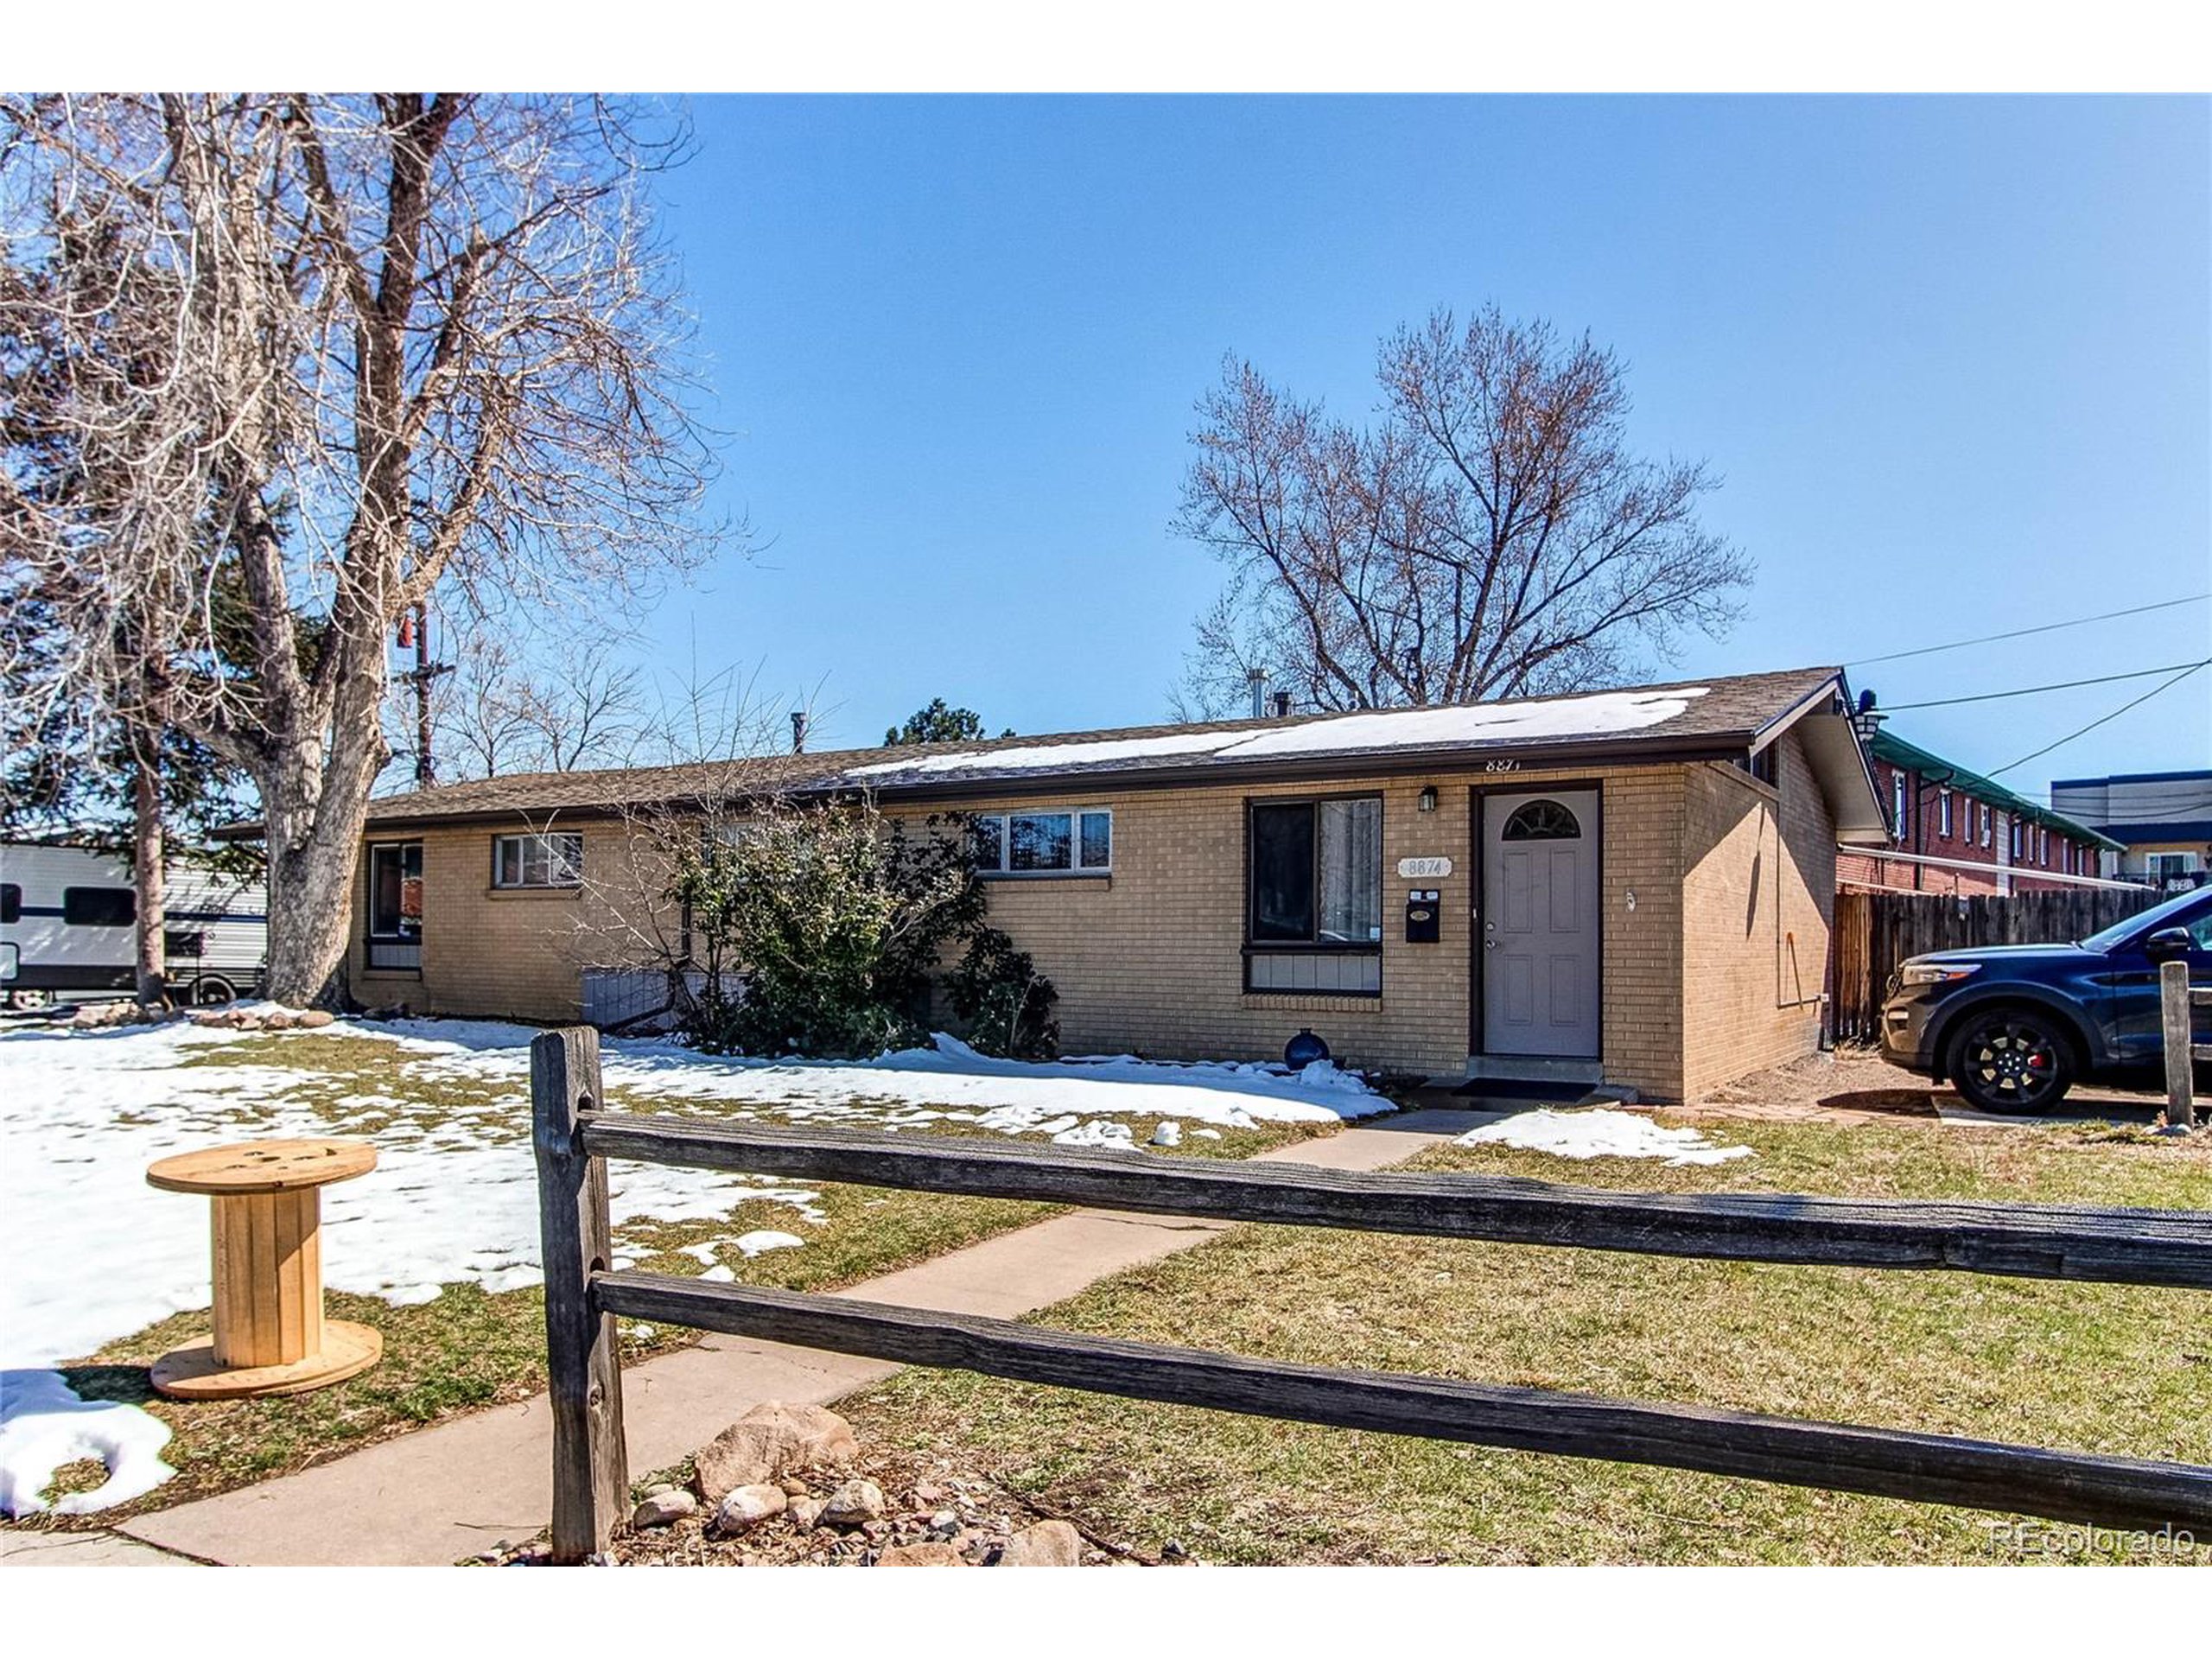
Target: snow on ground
[(1600, 1134), (44, 1425), (1598, 714), (94, 1254)]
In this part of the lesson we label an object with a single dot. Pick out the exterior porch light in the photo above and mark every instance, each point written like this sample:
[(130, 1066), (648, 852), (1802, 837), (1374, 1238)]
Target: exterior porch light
[(1427, 800), (1867, 720)]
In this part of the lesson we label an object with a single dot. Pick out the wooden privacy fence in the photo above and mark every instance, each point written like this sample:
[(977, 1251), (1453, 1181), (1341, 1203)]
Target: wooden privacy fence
[(1875, 932), (573, 1138)]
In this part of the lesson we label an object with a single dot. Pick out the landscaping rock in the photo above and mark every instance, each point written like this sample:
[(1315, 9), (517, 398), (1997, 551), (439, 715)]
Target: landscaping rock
[(1047, 1543), (769, 1441), (748, 1506), (315, 1018), (661, 1507), (806, 1512), (854, 1505), (923, 1554)]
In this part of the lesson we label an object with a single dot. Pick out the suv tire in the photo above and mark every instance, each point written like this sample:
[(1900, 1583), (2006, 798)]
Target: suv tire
[(2010, 1059)]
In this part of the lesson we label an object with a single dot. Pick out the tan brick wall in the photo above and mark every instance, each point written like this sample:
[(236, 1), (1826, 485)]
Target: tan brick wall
[(1760, 896), (1150, 959), (514, 952)]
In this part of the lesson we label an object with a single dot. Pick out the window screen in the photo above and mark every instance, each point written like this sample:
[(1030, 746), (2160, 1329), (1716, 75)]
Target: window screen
[(551, 861)]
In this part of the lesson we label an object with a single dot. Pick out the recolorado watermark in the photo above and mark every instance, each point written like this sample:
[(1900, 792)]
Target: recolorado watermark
[(2054, 1541)]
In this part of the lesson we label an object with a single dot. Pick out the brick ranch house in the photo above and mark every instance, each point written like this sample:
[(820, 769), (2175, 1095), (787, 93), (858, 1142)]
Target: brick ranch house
[(1631, 887), (1937, 809)]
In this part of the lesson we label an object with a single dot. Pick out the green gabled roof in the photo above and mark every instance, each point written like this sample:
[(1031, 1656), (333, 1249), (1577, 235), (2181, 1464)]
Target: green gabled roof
[(1934, 769)]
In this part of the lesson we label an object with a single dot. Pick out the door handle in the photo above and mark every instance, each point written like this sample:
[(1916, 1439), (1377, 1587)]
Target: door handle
[(1490, 944)]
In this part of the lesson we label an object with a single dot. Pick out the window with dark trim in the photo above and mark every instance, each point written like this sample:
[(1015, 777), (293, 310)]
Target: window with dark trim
[(98, 906), (11, 903), (538, 860), (396, 890), (1313, 899), (1045, 843)]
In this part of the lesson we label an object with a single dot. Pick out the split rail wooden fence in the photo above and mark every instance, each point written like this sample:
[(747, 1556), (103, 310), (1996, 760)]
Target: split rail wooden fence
[(574, 1140)]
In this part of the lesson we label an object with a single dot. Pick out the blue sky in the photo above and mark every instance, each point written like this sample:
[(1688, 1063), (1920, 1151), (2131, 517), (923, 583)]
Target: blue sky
[(1951, 357)]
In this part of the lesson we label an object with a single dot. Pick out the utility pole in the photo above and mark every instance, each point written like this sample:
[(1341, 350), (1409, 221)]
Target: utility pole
[(415, 630)]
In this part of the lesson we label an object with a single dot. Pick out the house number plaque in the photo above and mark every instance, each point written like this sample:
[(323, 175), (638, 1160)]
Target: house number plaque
[(1424, 869)]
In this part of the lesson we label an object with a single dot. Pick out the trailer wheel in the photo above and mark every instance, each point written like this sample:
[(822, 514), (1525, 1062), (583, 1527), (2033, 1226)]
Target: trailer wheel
[(213, 990)]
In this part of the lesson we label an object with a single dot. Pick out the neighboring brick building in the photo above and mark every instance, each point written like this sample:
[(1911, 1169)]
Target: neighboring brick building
[(1631, 887), (1937, 809), (2159, 823)]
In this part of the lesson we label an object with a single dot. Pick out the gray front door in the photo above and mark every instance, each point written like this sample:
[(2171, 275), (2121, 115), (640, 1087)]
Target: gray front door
[(1539, 924)]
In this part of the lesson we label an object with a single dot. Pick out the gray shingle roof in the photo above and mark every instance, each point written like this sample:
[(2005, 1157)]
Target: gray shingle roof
[(1710, 717)]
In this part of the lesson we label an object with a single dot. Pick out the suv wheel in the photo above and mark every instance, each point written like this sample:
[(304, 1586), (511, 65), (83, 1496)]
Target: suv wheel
[(2012, 1059)]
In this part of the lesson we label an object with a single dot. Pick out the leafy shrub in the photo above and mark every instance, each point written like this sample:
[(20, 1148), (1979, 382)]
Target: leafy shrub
[(833, 920), (1004, 1005)]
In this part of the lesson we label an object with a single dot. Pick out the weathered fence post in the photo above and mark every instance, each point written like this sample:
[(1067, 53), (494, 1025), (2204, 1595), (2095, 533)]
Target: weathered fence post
[(591, 1477), (2173, 1009)]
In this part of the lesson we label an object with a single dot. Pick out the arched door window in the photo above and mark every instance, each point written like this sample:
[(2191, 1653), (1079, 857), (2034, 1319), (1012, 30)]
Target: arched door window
[(1542, 821)]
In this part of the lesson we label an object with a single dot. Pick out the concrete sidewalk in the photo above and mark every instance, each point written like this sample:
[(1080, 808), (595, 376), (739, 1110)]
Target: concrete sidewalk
[(445, 1493)]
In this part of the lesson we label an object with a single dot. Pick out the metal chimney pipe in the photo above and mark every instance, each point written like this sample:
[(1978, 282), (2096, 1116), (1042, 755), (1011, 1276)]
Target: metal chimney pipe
[(799, 731), (1257, 679), (1282, 705)]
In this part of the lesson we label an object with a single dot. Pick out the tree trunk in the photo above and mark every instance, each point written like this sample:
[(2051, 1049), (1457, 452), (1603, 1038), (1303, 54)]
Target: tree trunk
[(314, 795), (151, 878)]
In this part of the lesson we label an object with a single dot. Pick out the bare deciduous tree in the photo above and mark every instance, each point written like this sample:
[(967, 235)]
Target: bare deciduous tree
[(1489, 535), (425, 344), (496, 713)]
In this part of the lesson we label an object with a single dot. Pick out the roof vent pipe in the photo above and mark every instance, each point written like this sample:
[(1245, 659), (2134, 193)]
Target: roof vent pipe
[(1257, 679), (799, 731), (1281, 700)]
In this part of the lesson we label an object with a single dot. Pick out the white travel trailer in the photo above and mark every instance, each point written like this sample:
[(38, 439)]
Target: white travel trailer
[(69, 923)]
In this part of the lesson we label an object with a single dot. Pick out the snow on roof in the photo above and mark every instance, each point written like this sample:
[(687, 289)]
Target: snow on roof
[(1599, 713)]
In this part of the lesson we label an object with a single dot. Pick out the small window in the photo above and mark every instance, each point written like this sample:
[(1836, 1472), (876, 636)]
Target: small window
[(11, 903), (548, 861), (179, 945), (1542, 821), (1044, 843), (1986, 833), (1943, 814), (396, 890), (98, 906), (1896, 804)]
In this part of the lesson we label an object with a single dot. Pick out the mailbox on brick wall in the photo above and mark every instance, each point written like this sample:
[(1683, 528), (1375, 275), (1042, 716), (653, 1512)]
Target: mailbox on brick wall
[(1424, 916)]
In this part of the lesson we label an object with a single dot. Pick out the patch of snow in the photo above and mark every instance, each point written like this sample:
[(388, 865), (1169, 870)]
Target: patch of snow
[(719, 1275), (44, 1423), (1207, 1134), (762, 1240), (1601, 1134), (1098, 1132), (1032, 757), (1598, 714), (1168, 1132), (94, 1254)]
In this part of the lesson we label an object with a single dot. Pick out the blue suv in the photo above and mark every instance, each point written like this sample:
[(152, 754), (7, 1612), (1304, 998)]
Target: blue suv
[(2012, 1026)]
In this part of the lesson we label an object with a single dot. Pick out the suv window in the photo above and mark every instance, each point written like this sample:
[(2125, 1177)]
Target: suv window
[(2190, 910)]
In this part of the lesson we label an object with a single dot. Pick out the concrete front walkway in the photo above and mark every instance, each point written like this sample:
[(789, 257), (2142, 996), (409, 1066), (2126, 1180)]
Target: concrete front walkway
[(448, 1492)]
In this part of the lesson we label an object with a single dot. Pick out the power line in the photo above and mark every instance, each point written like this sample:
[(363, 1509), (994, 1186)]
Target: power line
[(2056, 685), (2166, 686), (2022, 633)]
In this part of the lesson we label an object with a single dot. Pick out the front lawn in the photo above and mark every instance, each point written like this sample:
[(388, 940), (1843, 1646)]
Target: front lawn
[(437, 1248), (2094, 1367)]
